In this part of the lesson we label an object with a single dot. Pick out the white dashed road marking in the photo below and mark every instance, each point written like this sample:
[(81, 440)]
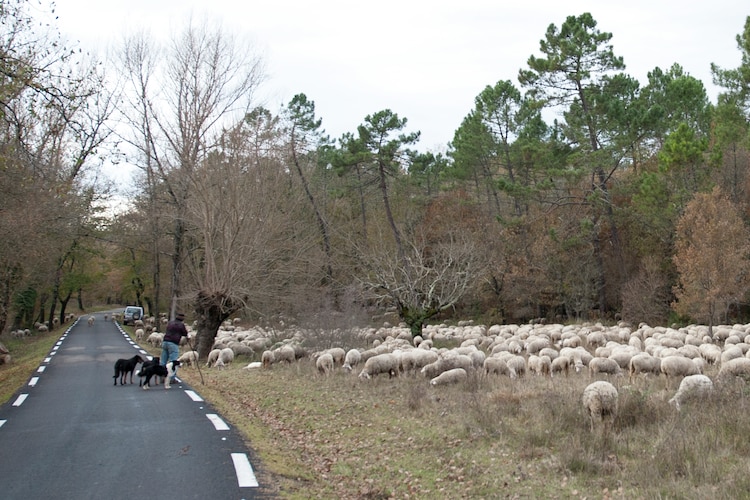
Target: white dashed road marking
[(219, 424), (245, 474), (194, 396), (33, 381), (2, 422), (21, 398), (40, 369)]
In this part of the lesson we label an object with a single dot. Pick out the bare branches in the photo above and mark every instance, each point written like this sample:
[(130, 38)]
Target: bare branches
[(431, 277)]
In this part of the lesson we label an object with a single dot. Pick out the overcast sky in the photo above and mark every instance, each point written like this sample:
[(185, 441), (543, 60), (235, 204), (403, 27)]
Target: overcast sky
[(424, 60)]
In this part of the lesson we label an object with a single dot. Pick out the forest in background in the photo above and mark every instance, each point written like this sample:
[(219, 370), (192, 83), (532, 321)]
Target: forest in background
[(575, 193)]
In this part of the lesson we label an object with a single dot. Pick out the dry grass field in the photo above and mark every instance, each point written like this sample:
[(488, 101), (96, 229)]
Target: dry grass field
[(340, 437)]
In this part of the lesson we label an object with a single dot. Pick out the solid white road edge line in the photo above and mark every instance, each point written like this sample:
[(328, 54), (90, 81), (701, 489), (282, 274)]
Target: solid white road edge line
[(245, 475)]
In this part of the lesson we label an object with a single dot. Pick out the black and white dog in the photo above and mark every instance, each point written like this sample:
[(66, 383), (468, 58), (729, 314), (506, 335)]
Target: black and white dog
[(123, 367), (151, 362), (154, 369)]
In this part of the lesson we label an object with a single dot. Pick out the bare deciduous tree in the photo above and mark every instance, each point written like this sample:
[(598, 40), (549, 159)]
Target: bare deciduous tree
[(177, 106), (251, 239), (53, 115), (429, 278)]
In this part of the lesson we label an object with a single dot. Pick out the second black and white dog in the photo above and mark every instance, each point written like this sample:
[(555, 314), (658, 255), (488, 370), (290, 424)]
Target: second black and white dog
[(154, 369)]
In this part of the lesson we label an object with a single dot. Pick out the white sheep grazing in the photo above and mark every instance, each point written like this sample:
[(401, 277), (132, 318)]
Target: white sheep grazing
[(730, 353), (516, 366), (285, 353), (267, 359), (325, 363), (540, 365), (91, 320), (644, 363), (678, 366), (139, 334), (226, 356), (452, 376), (155, 339), (738, 367), (381, 363), (691, 387), (561, 364), (212, 357), (338, 355), (189, 358), (353, 358), (447, 362), (413, 360), (710, 352), (477, 359), (604, 365), (495, 366), (600, 402)]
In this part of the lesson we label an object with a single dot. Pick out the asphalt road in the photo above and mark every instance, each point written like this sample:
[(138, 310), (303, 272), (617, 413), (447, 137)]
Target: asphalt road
[(71, 434)]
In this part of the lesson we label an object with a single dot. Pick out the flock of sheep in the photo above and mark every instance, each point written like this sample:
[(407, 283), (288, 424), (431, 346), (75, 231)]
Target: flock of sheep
[(593, 350), (40, 327)]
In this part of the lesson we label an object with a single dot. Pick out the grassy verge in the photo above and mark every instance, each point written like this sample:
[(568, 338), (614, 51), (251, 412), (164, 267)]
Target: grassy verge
[(338, 437), (27, 354)]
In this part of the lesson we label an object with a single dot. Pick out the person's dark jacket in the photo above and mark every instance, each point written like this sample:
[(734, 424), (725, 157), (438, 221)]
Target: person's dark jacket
[(175, 331)]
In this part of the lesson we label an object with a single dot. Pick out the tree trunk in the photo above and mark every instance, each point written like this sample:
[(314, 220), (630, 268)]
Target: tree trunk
[(63, 306), (179, 236), (210, 313), (322, 226), (42, 305), (415, 318), (389, 214), (157, 279)]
